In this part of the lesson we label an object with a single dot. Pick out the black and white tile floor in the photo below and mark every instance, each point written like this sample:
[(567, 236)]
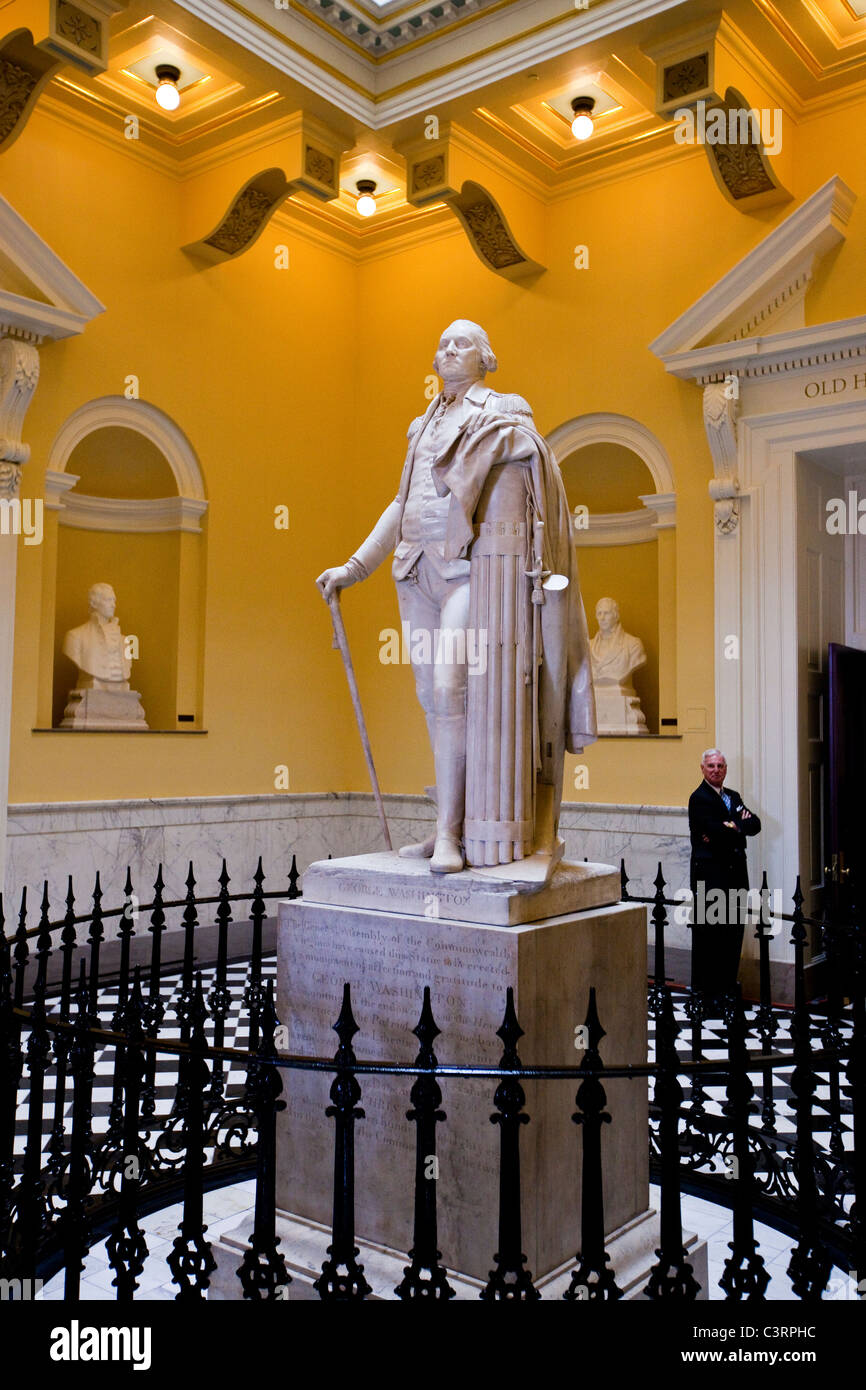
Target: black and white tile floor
[(226, 1208)]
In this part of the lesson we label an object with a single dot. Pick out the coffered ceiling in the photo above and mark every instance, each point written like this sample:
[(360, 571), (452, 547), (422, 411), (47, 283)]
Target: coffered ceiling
[(499, 74)]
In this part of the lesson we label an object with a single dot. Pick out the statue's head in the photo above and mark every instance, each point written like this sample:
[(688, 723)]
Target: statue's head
[(464, 353), (607, 614), (102, 600)]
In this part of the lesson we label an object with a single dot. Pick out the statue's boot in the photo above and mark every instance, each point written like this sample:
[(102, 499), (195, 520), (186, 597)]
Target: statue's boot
[(423, 849), (451, 793)]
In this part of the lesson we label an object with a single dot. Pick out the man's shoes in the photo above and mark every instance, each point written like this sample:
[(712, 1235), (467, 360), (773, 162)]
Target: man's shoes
[(447, 855), (423, 850)]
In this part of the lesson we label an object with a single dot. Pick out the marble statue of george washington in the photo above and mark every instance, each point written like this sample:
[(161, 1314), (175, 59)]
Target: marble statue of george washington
[(480, 531)]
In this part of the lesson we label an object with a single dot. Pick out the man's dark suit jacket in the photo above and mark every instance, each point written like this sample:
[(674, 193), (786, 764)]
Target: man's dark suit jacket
[(719, 853)]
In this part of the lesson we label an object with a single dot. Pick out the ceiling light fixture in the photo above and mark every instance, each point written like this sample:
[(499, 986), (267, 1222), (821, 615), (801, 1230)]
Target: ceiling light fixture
[(167, 95), (366, 203), (581, 126)]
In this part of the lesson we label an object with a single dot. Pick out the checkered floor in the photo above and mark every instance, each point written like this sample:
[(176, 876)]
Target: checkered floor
[(714, 1045), (236, 1035)]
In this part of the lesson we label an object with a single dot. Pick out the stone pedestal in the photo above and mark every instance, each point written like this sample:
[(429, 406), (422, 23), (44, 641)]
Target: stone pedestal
[(405, 934), (618, 711), (104, 709), (303, 1245)]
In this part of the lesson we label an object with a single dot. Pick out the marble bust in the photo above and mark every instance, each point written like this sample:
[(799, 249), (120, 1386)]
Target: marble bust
[(484, 564), (616, 655), (101, 697)]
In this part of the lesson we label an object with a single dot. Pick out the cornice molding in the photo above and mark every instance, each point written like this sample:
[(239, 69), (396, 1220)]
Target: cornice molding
[(768, 280), (801, 350), (617, 528), (70, 306), (143, 515)]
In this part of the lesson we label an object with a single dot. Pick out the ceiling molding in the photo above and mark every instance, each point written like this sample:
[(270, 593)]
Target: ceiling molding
[(759, 287), (70, 305), (378, 108)]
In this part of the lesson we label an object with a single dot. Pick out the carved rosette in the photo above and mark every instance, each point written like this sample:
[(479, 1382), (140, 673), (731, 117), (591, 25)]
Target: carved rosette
[(19, 373), (688, 77), (720, 422)]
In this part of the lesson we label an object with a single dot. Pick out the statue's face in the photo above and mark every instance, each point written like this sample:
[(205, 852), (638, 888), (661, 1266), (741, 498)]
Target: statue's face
[(607, 615), (103, 600), (458, 357), (715, 769)]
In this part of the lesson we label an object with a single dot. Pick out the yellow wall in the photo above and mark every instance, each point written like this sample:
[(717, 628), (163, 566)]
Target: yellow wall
[(256, 366), (297, 387)]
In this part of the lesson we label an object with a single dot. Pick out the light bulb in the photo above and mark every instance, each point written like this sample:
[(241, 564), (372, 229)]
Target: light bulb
[(167, 95), (366, 203), (581, 126)]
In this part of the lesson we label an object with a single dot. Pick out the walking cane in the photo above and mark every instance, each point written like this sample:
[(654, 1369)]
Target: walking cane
[(341, 641)]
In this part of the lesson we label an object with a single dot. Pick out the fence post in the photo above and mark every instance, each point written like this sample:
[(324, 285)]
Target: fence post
[(76, 1226), (191, 1259), (810, 1264), (31, 1205), (12, 1060), (126, 1246), (220, 998), (254, 994), (345, 1094), (673, 1276), (425, 1277), (154, 1009), (262, 1271), (765, 1019), (61, 1039), (660, 921), (745, 1275), (509, 1280), (592, 1279)]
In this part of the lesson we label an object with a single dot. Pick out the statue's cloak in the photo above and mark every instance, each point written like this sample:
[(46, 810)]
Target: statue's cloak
[(566, 700)]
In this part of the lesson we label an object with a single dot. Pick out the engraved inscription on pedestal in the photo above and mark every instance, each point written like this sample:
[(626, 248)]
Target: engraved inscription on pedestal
[(388, 957)]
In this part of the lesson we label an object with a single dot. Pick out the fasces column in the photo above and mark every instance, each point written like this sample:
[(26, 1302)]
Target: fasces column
[(19, 373)]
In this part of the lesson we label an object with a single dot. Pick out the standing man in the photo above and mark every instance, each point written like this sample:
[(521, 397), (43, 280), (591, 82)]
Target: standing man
[(718, 825)]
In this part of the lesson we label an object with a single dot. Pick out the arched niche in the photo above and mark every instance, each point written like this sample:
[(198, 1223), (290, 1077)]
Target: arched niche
[(125, 503), (619, 483)]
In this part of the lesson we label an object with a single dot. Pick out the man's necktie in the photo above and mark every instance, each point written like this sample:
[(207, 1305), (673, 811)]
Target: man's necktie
[(727, 800)]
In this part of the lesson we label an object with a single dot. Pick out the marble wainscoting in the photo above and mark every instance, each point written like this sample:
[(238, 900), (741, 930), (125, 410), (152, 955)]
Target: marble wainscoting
[(78, 838), (51, 842)]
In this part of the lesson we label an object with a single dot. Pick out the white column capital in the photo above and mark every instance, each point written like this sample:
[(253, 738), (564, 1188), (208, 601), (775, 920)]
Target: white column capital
[(19, 373), (721, 408)]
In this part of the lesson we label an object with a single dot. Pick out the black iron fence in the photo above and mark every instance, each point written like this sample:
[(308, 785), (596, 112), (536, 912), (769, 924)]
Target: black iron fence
[(67, 1182)]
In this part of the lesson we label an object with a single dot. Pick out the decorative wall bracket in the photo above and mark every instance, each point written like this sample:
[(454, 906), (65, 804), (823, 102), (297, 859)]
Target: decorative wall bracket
[(434, 175), (43, 36), (721, 409), (309, 161), (489, 234), (690, 71), (19, 373)]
